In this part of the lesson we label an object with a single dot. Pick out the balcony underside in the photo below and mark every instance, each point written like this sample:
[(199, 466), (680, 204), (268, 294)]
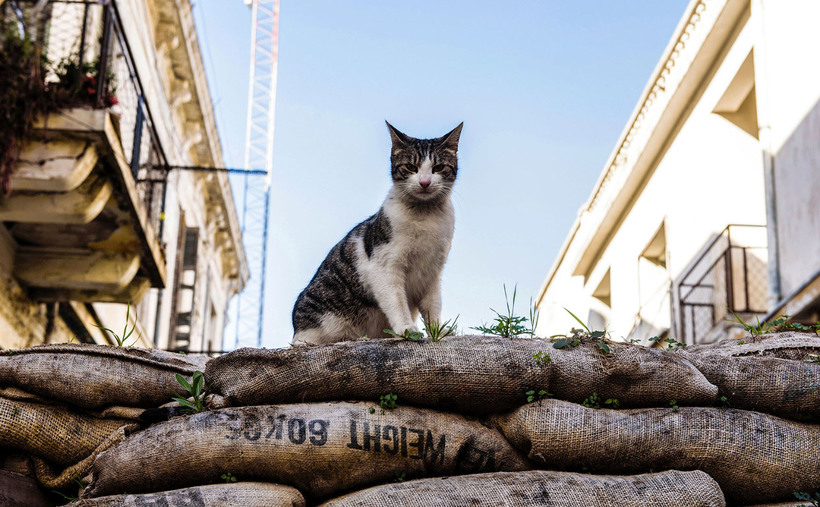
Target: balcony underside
[(81, 229)]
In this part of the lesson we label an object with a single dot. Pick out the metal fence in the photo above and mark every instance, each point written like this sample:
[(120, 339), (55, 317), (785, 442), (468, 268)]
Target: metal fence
[(728, 277), (88, 36)]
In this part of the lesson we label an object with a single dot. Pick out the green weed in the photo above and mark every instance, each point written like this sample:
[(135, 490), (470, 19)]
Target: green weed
[(126, 334), (436, 331), (672, 344), (388, 401), (674, 405), (534, 395), (228, 477), (412, 336), (195, 390), (576, 335), (510, 325), (594, 401), (780, 323), (541, 357)]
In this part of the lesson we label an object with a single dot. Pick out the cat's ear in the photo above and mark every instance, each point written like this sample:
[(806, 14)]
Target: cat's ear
[(450, 140), (399, 139)]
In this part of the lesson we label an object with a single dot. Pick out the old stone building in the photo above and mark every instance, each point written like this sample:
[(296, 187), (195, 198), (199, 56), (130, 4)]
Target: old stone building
[(707, 206), (101, 227)]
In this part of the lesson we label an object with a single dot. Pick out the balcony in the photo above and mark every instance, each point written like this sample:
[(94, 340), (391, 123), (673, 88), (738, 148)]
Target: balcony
[(728, 277), (84, 213)]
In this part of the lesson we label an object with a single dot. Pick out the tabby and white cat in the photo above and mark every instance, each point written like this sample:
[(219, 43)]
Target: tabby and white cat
[(387, 269)]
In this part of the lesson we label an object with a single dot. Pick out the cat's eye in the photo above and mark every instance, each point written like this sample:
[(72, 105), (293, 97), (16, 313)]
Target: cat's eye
[(410, 168), (440, 167)]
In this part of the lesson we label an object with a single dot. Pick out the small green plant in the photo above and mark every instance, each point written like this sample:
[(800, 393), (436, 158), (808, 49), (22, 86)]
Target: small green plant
[(566, 342), (672, 344), (372, 410), (533, 395), (541, 357), (15, 410), (812, 498), (674, 405), (510, 325), (412, 336), (400, 477), (126, 334), (593, 401), (780, 323), (228, 477), (576, 335), (724, 401), (535, 313), (436, 331), (195, 389), (741, 342), (388, 401), (813, 359), (752, 329)]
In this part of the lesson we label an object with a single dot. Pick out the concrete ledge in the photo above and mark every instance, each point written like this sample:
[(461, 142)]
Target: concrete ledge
[(78, 206), (74, 269), (54, 166)]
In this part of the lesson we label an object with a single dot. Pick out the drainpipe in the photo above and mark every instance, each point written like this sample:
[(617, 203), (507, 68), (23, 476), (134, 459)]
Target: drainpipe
[(765, 139)]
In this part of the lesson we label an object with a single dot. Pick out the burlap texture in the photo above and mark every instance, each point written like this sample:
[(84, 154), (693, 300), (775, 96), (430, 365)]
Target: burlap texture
[(470, 374), (96, 376), (782, 387), (536, 488), (55, 433), (61, 478), (240, 494), (321, 448), (754, 457), (787, 345)]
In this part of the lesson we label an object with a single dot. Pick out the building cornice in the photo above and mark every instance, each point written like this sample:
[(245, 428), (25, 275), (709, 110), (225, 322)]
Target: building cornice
[(193, 110), (653, 109)]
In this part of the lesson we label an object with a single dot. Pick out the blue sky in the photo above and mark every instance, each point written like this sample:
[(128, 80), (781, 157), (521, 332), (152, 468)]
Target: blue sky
[(543, 88)]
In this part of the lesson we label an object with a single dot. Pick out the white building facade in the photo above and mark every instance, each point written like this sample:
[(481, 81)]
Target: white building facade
[(705, 208)]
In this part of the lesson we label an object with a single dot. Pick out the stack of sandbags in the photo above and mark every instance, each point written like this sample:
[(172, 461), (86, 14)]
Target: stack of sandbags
[(309, 418), (479, 421), (63, 404)]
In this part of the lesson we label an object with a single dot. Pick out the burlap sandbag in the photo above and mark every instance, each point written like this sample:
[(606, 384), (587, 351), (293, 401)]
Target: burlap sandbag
[(96, 376), (782, 387), (754, 457), (787, 345), (321, 448), (538, 488), (60, 439), (240, 494), (471, 374)]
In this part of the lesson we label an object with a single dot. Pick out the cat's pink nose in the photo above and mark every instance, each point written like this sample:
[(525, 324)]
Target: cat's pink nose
[(425, 182)]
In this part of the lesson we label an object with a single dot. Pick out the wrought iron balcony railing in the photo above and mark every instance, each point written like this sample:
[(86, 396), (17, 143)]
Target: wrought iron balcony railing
[(728, 277)]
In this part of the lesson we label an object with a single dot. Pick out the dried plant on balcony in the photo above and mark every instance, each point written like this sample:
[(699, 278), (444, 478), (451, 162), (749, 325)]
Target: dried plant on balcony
[(23, 95)]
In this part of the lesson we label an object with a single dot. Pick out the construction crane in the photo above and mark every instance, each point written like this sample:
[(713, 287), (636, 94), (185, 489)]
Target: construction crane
[(250, 309)]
